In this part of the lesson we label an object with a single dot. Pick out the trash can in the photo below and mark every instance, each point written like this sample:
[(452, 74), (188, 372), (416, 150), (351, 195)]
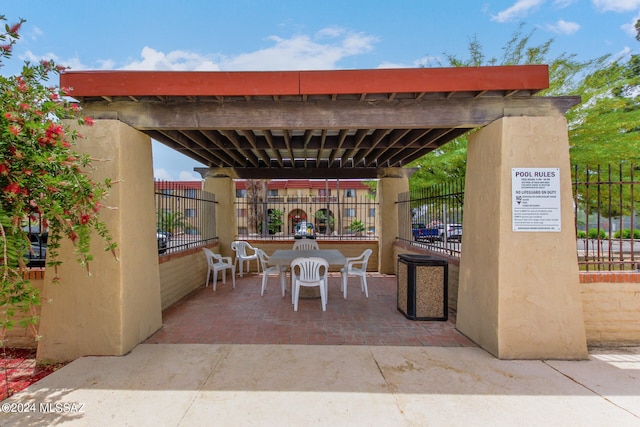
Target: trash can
[(422, 287)]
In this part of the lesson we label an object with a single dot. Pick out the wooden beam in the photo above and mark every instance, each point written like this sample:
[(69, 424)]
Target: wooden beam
[(401, 113)]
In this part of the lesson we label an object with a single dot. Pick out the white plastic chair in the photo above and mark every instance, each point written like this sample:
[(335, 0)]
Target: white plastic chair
[(217, 262), (240, 248), (305, 245), (312, 271), (266, 271), (356, 266)]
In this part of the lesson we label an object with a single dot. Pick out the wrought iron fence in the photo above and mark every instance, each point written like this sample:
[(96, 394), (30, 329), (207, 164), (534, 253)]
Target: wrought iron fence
[(606, 203), (330, 217), (432, 217), (185, 216)]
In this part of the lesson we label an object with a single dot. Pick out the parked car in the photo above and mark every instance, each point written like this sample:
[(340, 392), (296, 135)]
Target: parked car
[(455, 232), (421, 232), (163, 242), (304, 229), (37, 255), (165, 233)]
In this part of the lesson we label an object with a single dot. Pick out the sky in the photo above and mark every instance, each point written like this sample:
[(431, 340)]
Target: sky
[(252, 35)]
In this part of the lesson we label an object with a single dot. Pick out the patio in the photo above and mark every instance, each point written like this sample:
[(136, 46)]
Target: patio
[(242, 316)]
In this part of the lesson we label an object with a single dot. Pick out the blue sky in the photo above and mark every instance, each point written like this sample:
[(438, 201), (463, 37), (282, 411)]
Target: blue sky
[(243, 35)]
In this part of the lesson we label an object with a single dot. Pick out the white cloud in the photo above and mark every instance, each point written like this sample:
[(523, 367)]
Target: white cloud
[(189, 176), (303, 52), (519, 10), (616, 5), (177, 60), (564, 27), (630, 28), (162, 174), (561, 4)]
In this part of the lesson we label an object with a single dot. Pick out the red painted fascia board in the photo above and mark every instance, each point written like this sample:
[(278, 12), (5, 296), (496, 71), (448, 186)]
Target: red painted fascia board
[(179, 83), (533, 77), (280, 83)]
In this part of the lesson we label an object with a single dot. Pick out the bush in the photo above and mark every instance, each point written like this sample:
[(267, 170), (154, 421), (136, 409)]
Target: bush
[(626, 234), (593, 234), (581, 234)]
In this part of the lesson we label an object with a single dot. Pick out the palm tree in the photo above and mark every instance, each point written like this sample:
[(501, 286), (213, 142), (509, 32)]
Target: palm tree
[(171, 221)]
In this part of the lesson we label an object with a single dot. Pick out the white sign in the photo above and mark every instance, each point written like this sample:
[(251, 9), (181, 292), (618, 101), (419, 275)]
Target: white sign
[(535, 202)]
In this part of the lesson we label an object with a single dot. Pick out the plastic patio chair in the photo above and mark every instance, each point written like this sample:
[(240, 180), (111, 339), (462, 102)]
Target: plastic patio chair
[(217, 262), (305, 245), (312, 271), (356, 266), (240, 248), (266, 271)]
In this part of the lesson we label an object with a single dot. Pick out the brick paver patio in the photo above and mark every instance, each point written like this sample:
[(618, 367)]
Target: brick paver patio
[(242, 316)]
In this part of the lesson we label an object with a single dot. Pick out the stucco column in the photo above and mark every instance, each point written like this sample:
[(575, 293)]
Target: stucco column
[(394, 182), (519, 295), (117, 306), (226, 216)]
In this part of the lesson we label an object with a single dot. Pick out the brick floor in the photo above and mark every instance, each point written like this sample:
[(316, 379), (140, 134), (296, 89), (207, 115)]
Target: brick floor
[(242, 316)]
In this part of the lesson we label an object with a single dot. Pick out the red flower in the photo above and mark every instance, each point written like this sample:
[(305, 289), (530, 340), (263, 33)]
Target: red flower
[(13, 188), (15, 130), (84, 219), (88, 121), (4, 169), (15, 28)]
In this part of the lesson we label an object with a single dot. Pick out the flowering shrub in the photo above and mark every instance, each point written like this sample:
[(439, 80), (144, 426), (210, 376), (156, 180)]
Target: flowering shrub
[(41, 178)]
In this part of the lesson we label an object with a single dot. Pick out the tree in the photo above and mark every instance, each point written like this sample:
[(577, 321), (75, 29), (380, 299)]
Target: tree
[(171, 221), (565, 74), (41, 178), (605, 128), (256, 205)]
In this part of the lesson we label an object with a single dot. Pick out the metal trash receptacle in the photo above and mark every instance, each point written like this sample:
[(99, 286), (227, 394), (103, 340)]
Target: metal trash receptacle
[(423, 287)]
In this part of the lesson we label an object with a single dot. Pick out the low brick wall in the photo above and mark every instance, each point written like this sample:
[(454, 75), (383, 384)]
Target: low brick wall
[(611, 303)]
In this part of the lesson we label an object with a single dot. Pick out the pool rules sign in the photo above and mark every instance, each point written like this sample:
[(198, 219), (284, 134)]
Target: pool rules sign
[(536, 199)]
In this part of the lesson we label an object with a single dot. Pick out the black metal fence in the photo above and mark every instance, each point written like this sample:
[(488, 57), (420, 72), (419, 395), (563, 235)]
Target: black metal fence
[(278, 217), (185, 216), (606, 202), (438, 210)]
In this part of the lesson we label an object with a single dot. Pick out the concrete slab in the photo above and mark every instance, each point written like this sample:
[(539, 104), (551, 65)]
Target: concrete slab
[(282, 385)]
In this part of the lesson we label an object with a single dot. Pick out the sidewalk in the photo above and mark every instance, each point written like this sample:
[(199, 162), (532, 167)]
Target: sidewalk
[(286, 385)]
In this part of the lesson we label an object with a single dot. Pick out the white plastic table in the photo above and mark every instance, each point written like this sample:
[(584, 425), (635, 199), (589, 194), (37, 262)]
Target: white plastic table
[(283, 257)]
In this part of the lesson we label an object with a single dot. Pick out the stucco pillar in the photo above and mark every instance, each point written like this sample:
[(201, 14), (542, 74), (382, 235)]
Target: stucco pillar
[(226, 216), (394, 182), (117, 306), (519, 295)]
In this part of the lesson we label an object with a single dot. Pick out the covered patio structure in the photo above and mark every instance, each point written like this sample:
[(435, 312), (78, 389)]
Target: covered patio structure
[(519, 295)]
